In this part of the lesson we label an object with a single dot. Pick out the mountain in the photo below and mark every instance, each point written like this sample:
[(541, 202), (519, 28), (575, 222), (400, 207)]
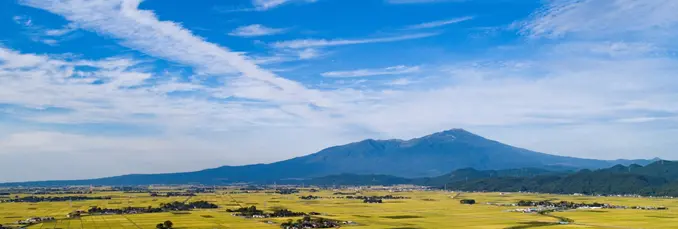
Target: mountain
[(470, 174), (431, 155), (350, 179), (659, 178), (466, 174)]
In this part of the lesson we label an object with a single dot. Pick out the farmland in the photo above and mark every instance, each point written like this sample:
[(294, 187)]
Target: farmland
[(413, 209)]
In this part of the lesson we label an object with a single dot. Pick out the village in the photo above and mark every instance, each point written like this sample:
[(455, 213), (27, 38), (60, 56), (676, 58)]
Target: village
[(547, 206)]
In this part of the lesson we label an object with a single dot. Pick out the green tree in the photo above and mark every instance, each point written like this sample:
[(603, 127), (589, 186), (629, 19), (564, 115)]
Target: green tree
[(168, 224), (160, 226)]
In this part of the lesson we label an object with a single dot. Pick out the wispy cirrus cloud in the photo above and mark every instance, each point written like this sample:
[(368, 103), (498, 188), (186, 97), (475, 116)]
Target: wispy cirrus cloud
[(309, 43), (269, 4), (255, 30), (289, 55), (62, 31), (435, 24), (38, 33), (613, 95), (395, 70), (419, 1), (602, 18), (141, 30)]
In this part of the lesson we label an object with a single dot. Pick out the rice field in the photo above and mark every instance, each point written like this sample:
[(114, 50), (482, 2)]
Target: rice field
[(424, 209)]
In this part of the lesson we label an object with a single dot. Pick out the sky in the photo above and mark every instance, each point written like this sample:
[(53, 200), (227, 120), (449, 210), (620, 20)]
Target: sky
[(94, 88)]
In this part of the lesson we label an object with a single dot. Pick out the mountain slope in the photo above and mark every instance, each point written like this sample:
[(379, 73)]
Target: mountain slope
[(431, 155), (467, 174), (470, 174), (658, 179)]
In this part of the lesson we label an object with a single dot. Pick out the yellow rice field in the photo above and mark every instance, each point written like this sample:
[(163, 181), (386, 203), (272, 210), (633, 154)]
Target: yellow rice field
[(425, 209)]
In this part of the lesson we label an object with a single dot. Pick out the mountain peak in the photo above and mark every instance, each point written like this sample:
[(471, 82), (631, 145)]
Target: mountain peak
[(456, 130), (451, 134), (431, 155)]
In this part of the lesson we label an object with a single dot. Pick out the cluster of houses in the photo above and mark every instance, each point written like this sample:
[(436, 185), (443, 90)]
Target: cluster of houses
[(35, 199), (170, 194), (75, 214), (35, 220), (386, 197), (660, 208), (75, 190), (253, 212), (376, 199), (541, 206), (529, 210), (308, 222), (394, 188), (286, 191)]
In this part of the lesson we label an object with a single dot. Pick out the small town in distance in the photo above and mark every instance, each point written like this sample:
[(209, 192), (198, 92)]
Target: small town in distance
[(297, 206)]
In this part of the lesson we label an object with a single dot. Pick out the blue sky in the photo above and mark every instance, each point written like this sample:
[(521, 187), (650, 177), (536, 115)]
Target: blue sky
[(128, 86)]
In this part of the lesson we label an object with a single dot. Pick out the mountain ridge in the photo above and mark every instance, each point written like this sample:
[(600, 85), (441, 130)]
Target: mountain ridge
[(428, 156), (659, 178)]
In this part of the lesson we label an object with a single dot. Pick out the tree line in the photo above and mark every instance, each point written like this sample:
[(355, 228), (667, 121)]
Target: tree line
[(164, 207), (309, 222), (170, 194), (253, 212), (657, 179), (36, 199)]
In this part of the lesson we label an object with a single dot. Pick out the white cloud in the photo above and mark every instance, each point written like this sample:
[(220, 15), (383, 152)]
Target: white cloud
[(269, 4), (266, 4), (395, 70), (289, 55), (105, 156), (435, 24), (12, 60), (141, 30), (309, 53), (613, 97), (23, 20), (62, 31), (309, 43), (419, 1), (400, 82), (39, 34), (255, 31), (569, 92), (603, 18)]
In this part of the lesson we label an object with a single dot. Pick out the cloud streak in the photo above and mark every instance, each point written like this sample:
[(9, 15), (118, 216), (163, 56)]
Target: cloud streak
[(395, 70), (602, 18), (419, 1), (255, 30), (613, 95), (435, 24), (262, 5), (141, 30), (310, 43)]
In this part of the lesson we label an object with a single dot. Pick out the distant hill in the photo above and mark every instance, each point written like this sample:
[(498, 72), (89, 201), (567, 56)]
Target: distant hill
[(428, 156), (350, 180), (657, 179), (467, 174), (470, 174)]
